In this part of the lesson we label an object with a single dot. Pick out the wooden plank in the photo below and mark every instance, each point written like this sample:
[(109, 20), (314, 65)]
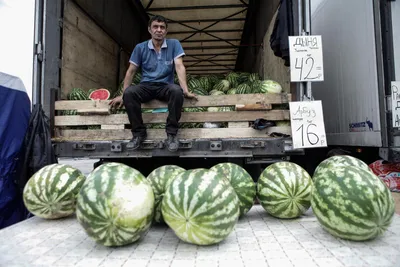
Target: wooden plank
[(159, 134), (93, 111), (115, 119), (112, 127), (203, 101), (238, 124), (241, 107)]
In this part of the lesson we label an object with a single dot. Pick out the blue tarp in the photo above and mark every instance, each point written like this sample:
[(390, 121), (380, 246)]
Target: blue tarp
[(15, 111)]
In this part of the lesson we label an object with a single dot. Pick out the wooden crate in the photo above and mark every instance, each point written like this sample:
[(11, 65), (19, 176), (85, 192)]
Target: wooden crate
[(248, 108)]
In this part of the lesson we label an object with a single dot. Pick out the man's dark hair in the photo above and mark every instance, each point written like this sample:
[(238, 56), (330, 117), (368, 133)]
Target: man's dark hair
[(158, 18)]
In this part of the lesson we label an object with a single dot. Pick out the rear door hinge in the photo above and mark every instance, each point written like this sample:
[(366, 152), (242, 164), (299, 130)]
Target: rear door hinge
[(39, 51)]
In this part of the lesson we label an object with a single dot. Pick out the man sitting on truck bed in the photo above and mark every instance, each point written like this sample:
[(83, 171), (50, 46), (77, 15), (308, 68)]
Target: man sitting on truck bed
[(157, 57)]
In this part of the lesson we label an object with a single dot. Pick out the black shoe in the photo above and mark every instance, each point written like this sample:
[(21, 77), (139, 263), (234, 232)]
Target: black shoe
[(135, 142), (172, 142)]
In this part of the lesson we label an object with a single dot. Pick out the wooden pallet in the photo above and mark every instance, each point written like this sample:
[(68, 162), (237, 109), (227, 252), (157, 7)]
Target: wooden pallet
[(116, 126)]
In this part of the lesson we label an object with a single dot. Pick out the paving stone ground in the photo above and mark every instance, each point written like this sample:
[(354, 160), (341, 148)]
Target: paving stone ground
[(258, 240)]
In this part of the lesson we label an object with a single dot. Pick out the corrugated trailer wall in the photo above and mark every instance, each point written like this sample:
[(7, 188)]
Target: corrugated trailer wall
[(98, 37), (256, 54)]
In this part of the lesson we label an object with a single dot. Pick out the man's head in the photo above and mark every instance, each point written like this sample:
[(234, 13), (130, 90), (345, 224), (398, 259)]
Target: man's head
[(158, 27)]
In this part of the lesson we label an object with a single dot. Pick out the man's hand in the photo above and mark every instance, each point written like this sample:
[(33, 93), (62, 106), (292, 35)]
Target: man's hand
[(117, 102), (190, 95)]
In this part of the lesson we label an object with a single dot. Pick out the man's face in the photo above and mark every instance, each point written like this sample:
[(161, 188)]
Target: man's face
[(158, 30)]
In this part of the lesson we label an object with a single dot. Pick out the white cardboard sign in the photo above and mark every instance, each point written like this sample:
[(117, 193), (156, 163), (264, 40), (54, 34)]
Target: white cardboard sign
[(306, 60), (395, 104), (307, 123)]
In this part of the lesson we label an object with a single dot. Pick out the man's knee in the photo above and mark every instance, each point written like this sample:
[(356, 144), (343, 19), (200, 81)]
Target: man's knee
[(131, 92), (175, 90)]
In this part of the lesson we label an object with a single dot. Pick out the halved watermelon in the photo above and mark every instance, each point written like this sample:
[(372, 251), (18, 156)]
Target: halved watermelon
[(100, 94)]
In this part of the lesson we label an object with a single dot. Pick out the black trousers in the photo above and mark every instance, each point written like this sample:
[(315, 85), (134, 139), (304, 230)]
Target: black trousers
[(135, 95)]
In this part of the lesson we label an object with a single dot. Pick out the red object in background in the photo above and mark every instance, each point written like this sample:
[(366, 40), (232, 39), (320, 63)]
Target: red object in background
[(388, 172)]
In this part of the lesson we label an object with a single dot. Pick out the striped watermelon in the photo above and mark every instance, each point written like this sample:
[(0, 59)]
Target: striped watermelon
[(284, 190), (223, 86), (200, 91), (216, 92), (256, 87), (231, 91), (52, 191), (213, 80), (201, 207), (241, 181), (269, 86), (254, 77), (205, 83), (352, 203), (243, 77), (160, 179), (137, 78), (194, 83), (341, 161), (233, 78), (243, 89), (115, 205)]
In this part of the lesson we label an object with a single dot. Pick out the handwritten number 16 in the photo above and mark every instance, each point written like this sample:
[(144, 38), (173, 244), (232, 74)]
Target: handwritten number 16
[(309, 134), (302, 66)]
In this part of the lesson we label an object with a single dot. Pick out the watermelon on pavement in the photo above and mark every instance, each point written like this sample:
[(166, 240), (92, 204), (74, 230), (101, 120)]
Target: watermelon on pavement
[(52, 191), (201, 207), (115, 205), (352, 203), (99, 94), (341, 161), (241, 182), (284, 190), (160, 179)]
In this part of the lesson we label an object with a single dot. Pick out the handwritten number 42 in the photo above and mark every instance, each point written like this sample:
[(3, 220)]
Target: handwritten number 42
[(310, 134), (300, 65)]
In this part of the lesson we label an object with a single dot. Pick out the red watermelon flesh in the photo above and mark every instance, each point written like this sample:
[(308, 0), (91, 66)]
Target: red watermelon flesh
[(100, 94)]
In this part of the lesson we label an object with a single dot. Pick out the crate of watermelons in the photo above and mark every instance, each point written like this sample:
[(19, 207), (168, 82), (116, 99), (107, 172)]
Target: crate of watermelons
[(226, 108)]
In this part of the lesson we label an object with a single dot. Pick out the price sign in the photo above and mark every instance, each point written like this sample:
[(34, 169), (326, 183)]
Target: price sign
[(306, 61), (396, 104), (307, 123)]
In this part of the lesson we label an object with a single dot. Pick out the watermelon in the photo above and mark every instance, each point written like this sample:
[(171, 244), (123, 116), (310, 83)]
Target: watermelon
[(160, 179), (243, 89), (243, 77), (216, 92), (223, 86), (137, 78), (241, 182), (284, 190), (341, 161), (256, 87), (352, 203), (77, 94), (201, 207), (233, 78), (231, 91), (115, 206), (193, 84), (205, 83), (100, 94), (254, 77), (269, 86), (51, 192)]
